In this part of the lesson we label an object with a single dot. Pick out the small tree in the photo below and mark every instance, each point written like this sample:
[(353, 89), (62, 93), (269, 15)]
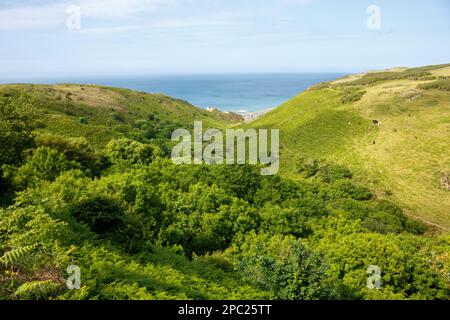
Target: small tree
[(283, 265), (16, 116), (45, 164), (126, 150)]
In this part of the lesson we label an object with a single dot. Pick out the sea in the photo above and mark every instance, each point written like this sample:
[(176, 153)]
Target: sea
[(241, 93)]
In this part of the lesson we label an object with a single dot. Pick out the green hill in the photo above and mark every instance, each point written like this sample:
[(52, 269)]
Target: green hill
[(101, 113), (391, 128)]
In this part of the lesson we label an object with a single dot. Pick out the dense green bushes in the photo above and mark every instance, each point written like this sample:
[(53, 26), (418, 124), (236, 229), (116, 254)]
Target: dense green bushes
[(101, 215), (16, 115), (401, 259), (16, 118), (45, 164), (259, 232), (325, 172), (351, 95), (140, 227), (133, 152), (371, 78), (285, 266), (75, 149), (421, 73)]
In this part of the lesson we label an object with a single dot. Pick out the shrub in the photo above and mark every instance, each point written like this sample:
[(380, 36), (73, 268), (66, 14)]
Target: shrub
[(75, 149), (386, 217), (100, 214), (343, 188), (16, 119), (351, 95), (201, 220), (320, 86), (83, 120), (307, 168), (241, 181), (284, 221), (284, 266), (403, 261), (331, 172), (119, 117), (45, 164), (130, 151), (443, 85), (374, 77)]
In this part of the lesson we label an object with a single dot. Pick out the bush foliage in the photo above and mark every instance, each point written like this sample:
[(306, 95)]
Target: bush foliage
[(140, 227)]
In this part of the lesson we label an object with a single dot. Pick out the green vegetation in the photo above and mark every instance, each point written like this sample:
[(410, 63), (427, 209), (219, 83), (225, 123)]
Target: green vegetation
[(439, 84), (422, 73), (391, 129), (351, 95), (102, 113), (86, 181)]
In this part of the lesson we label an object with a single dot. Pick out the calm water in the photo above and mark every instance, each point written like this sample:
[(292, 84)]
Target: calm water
[(233, 92)]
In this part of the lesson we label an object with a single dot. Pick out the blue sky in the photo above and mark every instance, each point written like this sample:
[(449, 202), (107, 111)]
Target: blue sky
[(127, 37)]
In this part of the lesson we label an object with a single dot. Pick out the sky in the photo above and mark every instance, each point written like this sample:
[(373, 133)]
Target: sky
[(49, 38)]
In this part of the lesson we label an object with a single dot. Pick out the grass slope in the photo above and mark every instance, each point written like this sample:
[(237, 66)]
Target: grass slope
[(106, 112), (404, 156)]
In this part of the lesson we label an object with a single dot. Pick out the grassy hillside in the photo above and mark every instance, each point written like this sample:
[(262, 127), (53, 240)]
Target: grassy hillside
[(101, 113), (391, 128), (86, 184)]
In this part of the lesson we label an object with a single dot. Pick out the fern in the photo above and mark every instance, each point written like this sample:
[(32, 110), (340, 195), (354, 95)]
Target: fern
[(36, 290), (15, 255)]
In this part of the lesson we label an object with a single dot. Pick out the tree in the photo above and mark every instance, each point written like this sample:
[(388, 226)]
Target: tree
[(75, 149), (16, 117), (130, 151), (285, 266), (100, 214), (45, 164), (404, 261)]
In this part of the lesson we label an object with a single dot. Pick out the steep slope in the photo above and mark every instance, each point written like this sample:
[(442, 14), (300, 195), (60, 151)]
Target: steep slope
[(105, 112), (391, 128)]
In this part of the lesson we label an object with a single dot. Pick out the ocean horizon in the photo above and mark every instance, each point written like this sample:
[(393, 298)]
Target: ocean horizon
[(240, 93)]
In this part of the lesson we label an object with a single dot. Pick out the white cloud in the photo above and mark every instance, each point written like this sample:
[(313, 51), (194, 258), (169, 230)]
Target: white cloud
[(121, 9), (211, 20), (32, 17), (301, 2), (53, 14), (106, 30), (114, 16)]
